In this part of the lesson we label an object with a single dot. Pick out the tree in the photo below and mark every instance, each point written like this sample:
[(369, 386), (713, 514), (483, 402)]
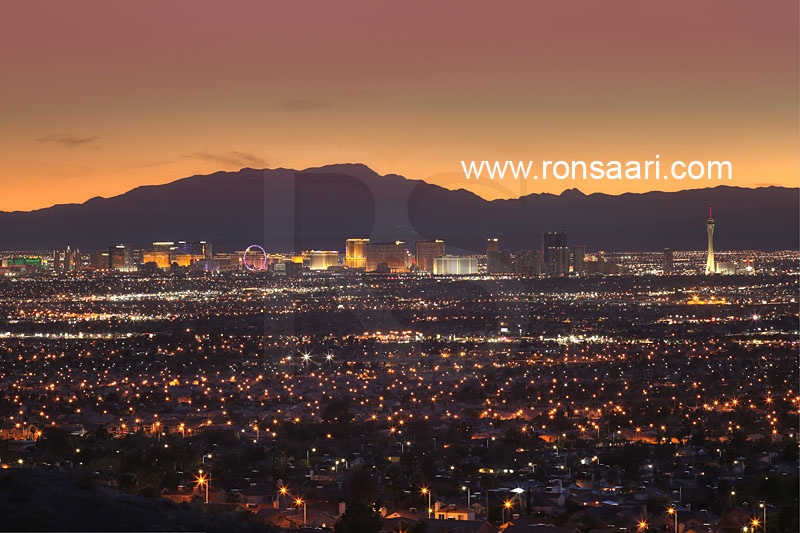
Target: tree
[(360, 516), (419, 527)]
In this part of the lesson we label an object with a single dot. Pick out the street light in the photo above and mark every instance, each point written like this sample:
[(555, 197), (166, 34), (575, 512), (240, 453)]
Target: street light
[(674, 512), (469, 495), (730, 500), (506, 505), (308, 456), (427, 491), (764, 507), (642, 525), (298, 502), (203, 480), (282, 491)]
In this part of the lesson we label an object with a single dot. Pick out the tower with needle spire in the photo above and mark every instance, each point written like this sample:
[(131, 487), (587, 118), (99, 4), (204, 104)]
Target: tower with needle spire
[(710, 265)]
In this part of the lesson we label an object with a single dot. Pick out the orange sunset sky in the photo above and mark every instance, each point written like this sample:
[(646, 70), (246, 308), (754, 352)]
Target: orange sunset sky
[(99, 97)]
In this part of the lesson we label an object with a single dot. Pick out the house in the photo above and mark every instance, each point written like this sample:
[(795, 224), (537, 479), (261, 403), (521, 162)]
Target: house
[(452, 512), (19, 431), (182, 494)]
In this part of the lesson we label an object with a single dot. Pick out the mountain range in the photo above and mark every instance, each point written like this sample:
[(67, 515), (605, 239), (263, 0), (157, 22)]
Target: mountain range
[(318, 208)]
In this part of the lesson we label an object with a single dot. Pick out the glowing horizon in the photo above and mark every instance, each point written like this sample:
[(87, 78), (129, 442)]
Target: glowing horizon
[(100, 99)]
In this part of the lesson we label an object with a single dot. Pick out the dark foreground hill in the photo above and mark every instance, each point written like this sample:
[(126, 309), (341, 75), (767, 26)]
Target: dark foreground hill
[(52, 500), (319, 208)]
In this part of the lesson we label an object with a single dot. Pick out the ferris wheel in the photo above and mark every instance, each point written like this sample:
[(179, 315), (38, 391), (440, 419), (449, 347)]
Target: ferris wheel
[(254, 258)]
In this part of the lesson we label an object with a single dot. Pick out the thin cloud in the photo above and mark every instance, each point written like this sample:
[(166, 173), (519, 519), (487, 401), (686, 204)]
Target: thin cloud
[(300, 106), (67, 141), (232, 158)]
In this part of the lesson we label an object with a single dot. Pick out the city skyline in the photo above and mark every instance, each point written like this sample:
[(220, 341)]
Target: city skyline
[(99, 100), (418, 267)]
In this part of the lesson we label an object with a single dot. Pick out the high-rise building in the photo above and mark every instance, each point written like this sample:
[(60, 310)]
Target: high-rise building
[(555, 252), (669, 266), (426, 252), (98, 260), (559, 261), (528, 263), (196, 248), (497, 261), (355, 254), (578, 254), (70, 260), (552, 239), (321, 260), (710, 266), (385, 256), (116, 257), (454, 265)]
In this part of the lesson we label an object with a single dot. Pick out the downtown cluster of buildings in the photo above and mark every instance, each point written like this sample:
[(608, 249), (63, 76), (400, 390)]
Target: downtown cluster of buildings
[(553, 258), (361, 254), (121, 257)]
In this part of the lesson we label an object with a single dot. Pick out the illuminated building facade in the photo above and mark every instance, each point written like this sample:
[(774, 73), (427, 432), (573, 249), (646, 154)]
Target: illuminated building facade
[(453, 265), (321, 260), (161, 258), (426, 252), (186, 260), (389, 256), (27, 261), (355, 253)]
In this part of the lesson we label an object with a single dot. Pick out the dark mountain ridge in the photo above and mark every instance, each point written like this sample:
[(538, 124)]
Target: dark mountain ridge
[(318, 208)]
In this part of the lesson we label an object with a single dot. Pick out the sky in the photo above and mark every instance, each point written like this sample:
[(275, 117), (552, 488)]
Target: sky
[(99, 97)]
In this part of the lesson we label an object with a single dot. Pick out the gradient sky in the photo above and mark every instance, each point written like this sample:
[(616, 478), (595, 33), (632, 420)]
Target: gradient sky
[(99, 97)]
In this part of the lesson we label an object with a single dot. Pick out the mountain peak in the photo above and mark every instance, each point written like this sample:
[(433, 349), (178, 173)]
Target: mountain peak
[(355, 169), (572, 193), (236, 209)]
